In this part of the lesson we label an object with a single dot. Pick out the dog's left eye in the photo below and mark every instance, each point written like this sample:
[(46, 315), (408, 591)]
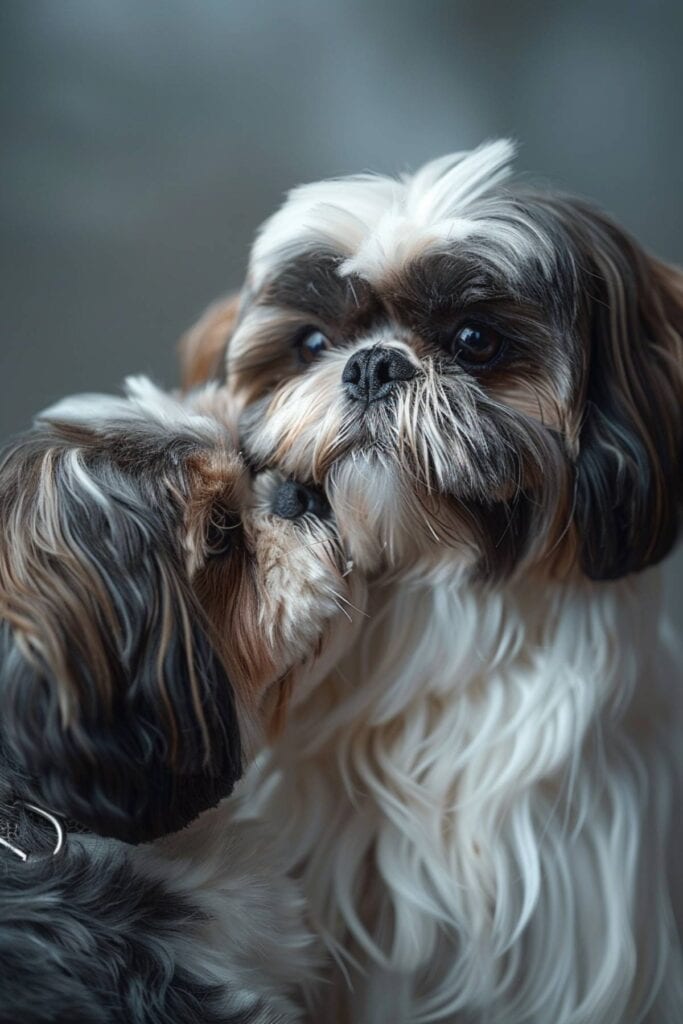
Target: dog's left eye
[(222, 532), (476, 344), (311, 343)]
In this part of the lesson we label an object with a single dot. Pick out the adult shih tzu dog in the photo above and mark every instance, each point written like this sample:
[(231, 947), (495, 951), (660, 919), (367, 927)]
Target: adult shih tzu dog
[(488, 380), (157, 611)]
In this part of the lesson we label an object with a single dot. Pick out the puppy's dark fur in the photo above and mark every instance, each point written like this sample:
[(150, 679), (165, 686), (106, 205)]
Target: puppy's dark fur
[(119, 714)]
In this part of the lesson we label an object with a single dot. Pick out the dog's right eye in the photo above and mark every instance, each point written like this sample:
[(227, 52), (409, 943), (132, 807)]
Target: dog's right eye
[(476, 345), (223, 530), (310, 344)]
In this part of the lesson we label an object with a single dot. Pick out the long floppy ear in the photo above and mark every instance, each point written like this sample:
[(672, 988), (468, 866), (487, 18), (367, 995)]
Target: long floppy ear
[(115, 707), (202, 347), (629, 474)]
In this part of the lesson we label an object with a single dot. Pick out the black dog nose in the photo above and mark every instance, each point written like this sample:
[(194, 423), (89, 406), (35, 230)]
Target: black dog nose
[(372, 373), (291, 500)]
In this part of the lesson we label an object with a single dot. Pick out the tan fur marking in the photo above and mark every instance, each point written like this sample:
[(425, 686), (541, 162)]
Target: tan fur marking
[(202, 348)]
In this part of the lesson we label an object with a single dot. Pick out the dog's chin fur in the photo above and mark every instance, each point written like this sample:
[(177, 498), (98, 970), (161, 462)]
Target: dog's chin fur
[(438, 470), (479, 798)]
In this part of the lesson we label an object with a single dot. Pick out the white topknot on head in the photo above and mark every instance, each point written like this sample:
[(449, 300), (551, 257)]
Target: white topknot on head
[(448, 186), (376, 221)]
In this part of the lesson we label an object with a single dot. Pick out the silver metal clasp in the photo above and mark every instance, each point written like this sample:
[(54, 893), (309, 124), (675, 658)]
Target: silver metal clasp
[(24, 855)]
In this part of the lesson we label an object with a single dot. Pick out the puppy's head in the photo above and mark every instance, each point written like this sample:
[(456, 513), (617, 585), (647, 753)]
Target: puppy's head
[(150, 603), (471, 367)]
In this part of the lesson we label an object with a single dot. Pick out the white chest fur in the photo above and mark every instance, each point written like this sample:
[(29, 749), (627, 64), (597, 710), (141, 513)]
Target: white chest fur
[(477, 803)]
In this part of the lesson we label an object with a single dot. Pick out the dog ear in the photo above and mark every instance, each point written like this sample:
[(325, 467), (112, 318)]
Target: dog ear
[(628, 471), (202, 347), (116, 706)]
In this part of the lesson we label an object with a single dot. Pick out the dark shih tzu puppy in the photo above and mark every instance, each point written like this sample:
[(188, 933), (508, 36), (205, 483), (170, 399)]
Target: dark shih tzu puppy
[(488, 379), (156, 609)]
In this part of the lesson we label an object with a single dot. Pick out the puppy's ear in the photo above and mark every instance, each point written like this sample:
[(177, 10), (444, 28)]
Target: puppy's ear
[(628, 473), (202, 348), (116, 708)]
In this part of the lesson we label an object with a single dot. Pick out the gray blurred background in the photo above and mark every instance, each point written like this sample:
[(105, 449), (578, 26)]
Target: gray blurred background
[(143, 143)]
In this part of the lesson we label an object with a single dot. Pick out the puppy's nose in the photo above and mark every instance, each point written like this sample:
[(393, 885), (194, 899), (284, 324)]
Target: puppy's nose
[(372, 373), (291, 500)]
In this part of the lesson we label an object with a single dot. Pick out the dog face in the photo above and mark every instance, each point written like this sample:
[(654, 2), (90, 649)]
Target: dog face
[(154, 604), (473, 369)]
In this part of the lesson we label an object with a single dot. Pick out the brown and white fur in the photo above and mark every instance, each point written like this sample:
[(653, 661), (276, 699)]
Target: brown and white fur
[(488, 379), (157, 610)]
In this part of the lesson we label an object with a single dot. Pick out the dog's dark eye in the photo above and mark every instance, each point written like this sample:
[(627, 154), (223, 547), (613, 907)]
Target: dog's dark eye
[(222, 531), (476, 344), (310, 344)]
